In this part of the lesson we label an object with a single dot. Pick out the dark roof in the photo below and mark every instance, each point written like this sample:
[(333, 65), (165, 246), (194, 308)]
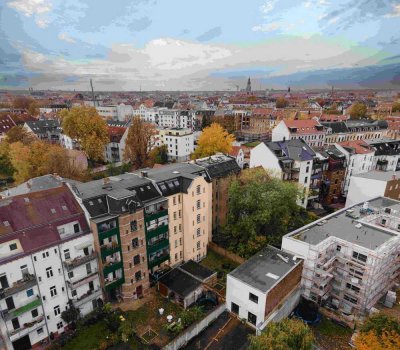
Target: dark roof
[(180, 282), (296, 149), (44, 126), (264, 269), (219, 165), (197, 270), (384, 147), (337, 127)]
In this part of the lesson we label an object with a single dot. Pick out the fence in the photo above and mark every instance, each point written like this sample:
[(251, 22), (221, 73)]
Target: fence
[(194, 329), (221, 251)]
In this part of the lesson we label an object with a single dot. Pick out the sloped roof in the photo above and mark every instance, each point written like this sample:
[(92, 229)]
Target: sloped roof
[(296, 149)]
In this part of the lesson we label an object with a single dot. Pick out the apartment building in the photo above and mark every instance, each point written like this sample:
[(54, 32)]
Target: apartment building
[(173, 118), (114, 150), (351, 257), (311, 131), (45, 130), (221, 170), (387, 154), (120, 112), (47, 259), (189, 196), (179, 142), (359, 159), (364, 187), (290, 160), (129, 220)]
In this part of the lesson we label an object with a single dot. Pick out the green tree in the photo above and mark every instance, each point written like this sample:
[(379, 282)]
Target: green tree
[(212, 140), (19, 134), (380, 322), (396, 107), (205, 121), (281, 102), (70, 315), (261, 209), (358, 110), (86, 126), (6, 168), (159, 155), (288, 334), (139, 142)]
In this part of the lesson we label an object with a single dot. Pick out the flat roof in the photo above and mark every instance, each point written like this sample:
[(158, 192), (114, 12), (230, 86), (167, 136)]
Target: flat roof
[(265, 268), (379, 175), (342, 224)]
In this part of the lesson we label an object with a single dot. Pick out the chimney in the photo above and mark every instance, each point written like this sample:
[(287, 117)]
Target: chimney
[(394, 176), (106, 180), (143, 173)]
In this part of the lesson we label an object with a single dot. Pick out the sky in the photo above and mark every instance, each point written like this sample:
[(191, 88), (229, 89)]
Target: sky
[(194, 45)]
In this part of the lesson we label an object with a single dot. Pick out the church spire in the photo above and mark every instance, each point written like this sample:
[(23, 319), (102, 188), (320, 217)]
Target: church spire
[(248, 87)]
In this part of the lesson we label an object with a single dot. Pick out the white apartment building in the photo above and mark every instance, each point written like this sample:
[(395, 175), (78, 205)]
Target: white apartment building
[(359, 158), (120, 112), (173, 118), (351, 257), (290, 160), (311, 131), (180, 143), (47, 259)]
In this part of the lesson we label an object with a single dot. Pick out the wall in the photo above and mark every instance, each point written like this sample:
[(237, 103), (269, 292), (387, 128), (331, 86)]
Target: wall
[(393, 189), (362, 189), (194, 330), (176, 233), (221, 251), (262, 156), (280, 132)]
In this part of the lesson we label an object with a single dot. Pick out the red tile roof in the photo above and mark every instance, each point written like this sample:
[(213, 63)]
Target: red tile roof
[(235, 151), (115, 133), (359, 146), (6, 123), (307, 126)]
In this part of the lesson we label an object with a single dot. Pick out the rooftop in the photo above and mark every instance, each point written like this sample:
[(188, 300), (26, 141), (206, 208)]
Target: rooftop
[(296, 149), (265, 268), (380, 175), (350, 225)]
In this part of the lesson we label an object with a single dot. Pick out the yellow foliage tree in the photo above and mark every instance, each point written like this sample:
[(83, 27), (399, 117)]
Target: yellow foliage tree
[(213, 139), (86, 126), (389, 340), (20, 160)]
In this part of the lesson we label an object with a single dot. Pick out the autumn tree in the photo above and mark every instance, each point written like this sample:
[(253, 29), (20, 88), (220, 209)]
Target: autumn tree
[(281, 102), (33, 108), (288, 334), (86, 126), (358, 110), (379, 332), (159, 155), (6, 168), (212, 140), (20, 160), (139, 142), (22, 102), (396, 107), (19, 134)]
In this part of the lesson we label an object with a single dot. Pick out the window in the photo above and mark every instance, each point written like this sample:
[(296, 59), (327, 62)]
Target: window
[(176, 256), (338, 248), (71, 274), (136, 259), (15, 323), (174, 200), (138, 275), (59, 325), (180, 227), (252, 318), (253, 298), (29, 292), (198, 245), (74, 293), (45, 255), (180, 213), (13, 246), (180, 241), (135, 243), (34, 313), (39, 330), (133, 225), (235, 308), (174, 215), (67, 254), (198, 232), (175, 230), (76, 228), (352, 287), (49, 272), (198, 204), (351, 299), (305, 179), (53, 291), (359, 256), (198, 218), (57, 310), (198, 189)]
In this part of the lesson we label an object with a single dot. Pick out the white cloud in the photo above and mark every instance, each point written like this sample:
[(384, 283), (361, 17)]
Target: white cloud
[(324, 2), (42, 23), (268, 6), (333, 20), (270, 27), (65, 37), (395, 12), (307, 4), (31, 7)]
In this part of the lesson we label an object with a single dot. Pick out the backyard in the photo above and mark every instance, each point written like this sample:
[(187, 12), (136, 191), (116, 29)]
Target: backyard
[(332, 336)]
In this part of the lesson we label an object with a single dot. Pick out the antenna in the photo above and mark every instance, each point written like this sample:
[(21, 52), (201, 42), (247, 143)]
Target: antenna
[(91, 86)]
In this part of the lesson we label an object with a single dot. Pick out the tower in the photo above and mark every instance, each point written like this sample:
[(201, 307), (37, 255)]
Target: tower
[(248, 87)]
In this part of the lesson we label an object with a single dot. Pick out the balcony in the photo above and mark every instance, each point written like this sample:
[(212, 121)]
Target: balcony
[(161, 244), (158, 260), (33, 304), (108, 232), (116, 282), (80, 260), (316, 176), (109, 249), (156, 214), (88, 296), (111, 267), (28, 327), (156, 230), (27, 282), (82, 280)]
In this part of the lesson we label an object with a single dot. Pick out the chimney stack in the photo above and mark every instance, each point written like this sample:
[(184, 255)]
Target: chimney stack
[(143, 173)]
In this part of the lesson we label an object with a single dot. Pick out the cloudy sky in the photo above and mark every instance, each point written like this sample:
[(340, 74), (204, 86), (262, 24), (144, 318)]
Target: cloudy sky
[(191, 45)]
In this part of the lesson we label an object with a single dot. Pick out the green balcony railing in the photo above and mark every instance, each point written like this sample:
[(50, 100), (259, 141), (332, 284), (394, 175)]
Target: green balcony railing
[(164, 243), (109, 233), (158, 261), (157, 215), (114, 284), (156, 231), (109, 250), (23, 309), (111, 268)]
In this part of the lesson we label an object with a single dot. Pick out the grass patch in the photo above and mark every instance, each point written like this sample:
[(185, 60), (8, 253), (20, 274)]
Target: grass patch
[(329, 328), (219, 264), (89, 337), (252, 144)]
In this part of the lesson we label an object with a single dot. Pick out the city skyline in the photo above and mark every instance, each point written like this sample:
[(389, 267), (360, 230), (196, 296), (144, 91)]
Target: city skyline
[(160, 45)]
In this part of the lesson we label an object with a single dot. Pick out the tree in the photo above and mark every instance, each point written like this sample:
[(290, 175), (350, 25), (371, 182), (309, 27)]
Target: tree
[(281, 102), (159, 155), (379, 332), (139, 142), (86, 126), (70, 315), (288, 334), (358, 110), (212, 140), (22, 102), (33, 108), (205, 121), (6, 168), (261, 209), (396, 107), (19, 134)]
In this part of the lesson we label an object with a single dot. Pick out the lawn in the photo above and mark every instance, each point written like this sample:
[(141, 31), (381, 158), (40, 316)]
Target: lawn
[(252, 144), (219, 264), (88, 338), (332, 336)]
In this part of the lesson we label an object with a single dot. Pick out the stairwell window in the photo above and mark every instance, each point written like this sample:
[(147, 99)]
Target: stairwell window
[(253, 298)]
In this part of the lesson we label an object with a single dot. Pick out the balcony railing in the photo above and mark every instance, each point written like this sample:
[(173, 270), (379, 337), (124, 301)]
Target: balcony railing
[(109, 232), (88, 296), (27, 282), (26, 329), (116, 282), (109, 249), (82, 280), (158, 260), (156, 230), (156, 214), (111, 267), (80, 260), (32, 304)]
